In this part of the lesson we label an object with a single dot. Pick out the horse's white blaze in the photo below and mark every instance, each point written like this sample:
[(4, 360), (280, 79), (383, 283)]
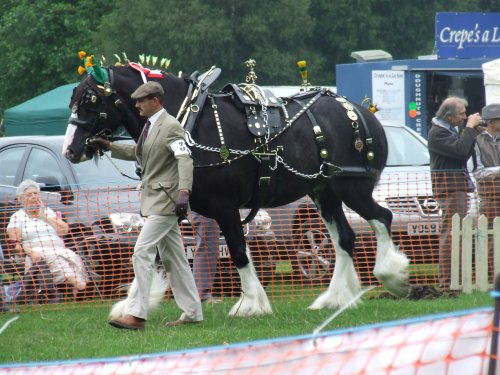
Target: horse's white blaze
[(391, 265), (159, 286), (70, 135), (344, 285), (253, 300)]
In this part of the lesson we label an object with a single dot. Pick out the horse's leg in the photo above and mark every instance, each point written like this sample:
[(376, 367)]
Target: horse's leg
[(391, 265), (345, 283), (253, 300)]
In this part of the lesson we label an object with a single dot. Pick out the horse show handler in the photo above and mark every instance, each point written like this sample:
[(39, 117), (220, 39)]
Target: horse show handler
[(167, 174)]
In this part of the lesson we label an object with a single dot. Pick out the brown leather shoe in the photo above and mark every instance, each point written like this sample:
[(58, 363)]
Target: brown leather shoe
[(128, 322), (181, 322)]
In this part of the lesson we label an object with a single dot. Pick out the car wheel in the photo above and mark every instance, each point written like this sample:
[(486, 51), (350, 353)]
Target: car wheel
[(314, 258)]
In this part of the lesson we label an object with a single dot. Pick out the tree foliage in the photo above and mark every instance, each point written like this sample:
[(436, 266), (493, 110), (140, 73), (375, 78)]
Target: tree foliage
[(39, 39)]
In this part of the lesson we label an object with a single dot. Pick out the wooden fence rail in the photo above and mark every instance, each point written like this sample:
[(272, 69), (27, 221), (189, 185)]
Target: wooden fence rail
[(470, 255)]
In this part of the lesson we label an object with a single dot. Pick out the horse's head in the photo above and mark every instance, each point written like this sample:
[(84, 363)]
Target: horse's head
[(95, 110), (100, 106)]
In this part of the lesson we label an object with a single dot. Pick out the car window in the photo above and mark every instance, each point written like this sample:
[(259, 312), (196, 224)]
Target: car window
[(405, 149), (105, 172), (10, 160), (42, 167)]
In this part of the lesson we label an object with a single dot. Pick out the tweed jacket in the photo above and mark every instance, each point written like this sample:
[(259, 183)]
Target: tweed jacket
[(488, 166), (449, 153), (160, 166)]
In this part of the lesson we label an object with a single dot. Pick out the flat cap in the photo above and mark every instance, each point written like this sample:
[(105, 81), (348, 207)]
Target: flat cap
[(491, 112), (146, 89)]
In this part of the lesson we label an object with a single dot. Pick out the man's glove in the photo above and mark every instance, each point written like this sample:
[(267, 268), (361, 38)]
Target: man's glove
[(181, 204), (101, 143)]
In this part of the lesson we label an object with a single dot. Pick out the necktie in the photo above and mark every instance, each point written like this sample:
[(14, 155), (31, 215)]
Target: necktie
[(145, 132)]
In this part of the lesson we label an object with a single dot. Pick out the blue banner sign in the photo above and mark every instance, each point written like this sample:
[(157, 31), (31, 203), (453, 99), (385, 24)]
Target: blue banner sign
[(467, 35)]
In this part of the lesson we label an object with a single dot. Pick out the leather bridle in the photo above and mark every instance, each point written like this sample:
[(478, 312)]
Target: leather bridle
[(92, 99)]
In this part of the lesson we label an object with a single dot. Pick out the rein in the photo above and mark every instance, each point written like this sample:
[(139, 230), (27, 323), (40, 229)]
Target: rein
[(119, 170)]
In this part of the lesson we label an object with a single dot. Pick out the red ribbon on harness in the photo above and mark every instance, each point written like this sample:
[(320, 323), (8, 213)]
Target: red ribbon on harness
[(148, 72)]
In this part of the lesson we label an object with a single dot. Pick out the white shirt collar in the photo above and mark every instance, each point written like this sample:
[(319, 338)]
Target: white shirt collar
[(155, 117)]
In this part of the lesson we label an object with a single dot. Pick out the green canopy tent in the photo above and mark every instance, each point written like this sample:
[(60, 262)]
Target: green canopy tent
[(46, 114)]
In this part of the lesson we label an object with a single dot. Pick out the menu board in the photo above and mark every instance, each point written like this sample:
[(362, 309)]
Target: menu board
[(388, 94)]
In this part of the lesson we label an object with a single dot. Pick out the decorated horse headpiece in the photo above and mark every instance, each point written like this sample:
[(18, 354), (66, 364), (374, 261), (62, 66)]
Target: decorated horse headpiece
[(92, 68)]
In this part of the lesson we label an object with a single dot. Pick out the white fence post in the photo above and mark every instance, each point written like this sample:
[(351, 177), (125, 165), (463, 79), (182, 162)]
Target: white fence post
[(466, 262), (496, 245), (464, 233), (481, 258), (456, 230)]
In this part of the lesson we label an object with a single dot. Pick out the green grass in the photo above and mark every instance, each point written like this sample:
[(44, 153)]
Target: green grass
[(82, 332)]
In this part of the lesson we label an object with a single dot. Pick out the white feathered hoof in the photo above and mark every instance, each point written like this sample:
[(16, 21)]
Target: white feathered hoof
[(336, 298), (324, 301), (393, 273), (159, 286), (253, 300)]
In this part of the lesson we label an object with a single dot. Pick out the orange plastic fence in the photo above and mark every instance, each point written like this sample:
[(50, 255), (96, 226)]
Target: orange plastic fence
[(454, 344), (291, 255)]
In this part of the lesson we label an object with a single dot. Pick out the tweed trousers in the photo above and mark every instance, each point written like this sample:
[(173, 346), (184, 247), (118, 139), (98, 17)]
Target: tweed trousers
[(163, 233)]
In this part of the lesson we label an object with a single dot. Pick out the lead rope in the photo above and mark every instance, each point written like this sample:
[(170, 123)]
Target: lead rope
[(119, 170)]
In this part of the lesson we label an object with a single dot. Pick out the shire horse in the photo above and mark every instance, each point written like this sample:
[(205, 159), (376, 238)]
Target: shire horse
[(320, 145)]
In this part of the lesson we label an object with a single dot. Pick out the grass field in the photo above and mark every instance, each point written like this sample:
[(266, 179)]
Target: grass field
[(81, 331)]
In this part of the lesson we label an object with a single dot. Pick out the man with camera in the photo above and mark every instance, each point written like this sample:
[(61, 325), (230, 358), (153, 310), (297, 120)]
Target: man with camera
[(449, 152)]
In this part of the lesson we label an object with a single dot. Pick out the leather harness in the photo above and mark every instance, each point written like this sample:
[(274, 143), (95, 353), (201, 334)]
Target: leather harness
[(265, 121)]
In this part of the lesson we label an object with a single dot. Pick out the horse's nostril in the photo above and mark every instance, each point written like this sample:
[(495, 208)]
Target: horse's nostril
[(68, 154)]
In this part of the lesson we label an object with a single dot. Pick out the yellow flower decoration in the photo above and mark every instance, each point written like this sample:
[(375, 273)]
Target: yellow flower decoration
[(303, 70), (88, 62), (372, 107), (81, 56)]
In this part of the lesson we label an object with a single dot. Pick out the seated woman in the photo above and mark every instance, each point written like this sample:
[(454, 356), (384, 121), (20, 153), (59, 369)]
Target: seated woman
[(36, 230)]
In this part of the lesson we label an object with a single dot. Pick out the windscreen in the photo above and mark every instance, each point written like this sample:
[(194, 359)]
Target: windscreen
[(405, 149)]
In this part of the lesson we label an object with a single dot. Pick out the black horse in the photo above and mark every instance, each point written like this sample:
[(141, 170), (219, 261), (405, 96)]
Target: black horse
[(315, 143)]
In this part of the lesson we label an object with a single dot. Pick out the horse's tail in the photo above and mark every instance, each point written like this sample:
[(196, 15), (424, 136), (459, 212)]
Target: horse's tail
[(251, 215), (159, 286)]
